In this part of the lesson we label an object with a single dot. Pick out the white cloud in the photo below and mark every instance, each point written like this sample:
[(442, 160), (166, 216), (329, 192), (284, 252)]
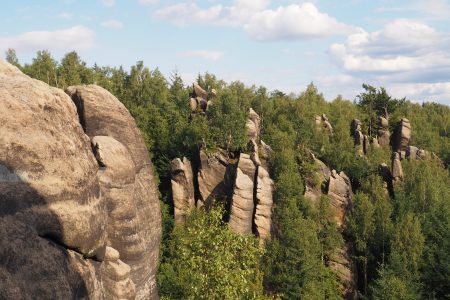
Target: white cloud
[(74, 38), (436, 8), (286, 22), (205, 54), (294, 21), (401, 46), (147, 2), (65, 15), (114, 24), (109, 3)]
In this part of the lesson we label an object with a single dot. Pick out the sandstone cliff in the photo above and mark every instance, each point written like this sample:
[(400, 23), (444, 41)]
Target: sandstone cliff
[(79, 212)]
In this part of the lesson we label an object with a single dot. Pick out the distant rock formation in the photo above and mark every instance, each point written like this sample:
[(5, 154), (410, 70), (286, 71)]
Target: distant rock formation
[(200, 99), (402, 135), (396, 169), (384, 136), (76, 181), (323, 123), (242, 179)]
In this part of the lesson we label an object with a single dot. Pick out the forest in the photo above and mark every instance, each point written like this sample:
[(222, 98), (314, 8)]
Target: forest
[(400, 240)]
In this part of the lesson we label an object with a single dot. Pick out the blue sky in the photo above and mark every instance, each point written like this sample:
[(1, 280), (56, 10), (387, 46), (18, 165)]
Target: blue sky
[(281, 44)]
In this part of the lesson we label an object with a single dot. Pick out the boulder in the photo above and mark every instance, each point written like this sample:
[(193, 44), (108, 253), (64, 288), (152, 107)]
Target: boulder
[(182, 188), (411, 152), (199, 92), (242, 202), (384, 136)]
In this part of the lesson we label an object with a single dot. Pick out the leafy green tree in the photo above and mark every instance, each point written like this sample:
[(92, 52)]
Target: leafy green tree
[(73, 71), (208, 261), (43, 67), (11, 57)]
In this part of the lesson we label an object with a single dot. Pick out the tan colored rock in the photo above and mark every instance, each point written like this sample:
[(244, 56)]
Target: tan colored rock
[(212, 179), (340, 195), (199, 91), (264, 204), (253, 126), (242, 202), (115, 276), (384, 136), (182, 188), (411, 152), (397, 170), (101, 114), (193, 104), (402, 135)]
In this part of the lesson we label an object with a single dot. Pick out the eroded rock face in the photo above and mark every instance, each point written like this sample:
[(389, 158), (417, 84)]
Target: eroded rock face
[(323, 122), (61, 205), (101, 114), (182, 188), (264, 203), (397, 170), (402, 135), (314, 184), (242, 202), (212, 177), (340, 194)]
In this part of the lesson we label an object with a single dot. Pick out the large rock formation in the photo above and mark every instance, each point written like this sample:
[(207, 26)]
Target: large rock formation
[(242, 202), (264, 203), (396, 170), (402, 135), (213, 181), (101, 114), (340, 195), (200, 99), (315, 182), (62, 201), (182, 188), (323, 123)]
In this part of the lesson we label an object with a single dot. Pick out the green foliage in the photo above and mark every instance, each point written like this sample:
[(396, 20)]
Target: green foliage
[(208, 261)]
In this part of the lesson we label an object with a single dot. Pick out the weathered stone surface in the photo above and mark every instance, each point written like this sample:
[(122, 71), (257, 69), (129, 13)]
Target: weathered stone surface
[(323, 123), (55, 195), (193, 104), (264, 203), (385, 172), (50, 197), (411, 152), (101, 114), (199, 91), (242, 202), (340, 195), (182, 188), (384, 136), (397, 170), (115, 276), (212, 177), (402, 135)]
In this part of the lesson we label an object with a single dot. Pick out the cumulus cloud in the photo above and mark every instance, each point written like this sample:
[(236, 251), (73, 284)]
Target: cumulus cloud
[(114, 24), (293, 21), (74, 38), (205, 54), (109, 3), (401, 46)]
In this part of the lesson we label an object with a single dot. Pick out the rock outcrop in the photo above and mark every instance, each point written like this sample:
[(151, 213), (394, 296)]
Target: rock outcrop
[(72, 175), (264, 203), (213, 177), (323, 123), (340, 195), (402, 135), (384, 136), (101, 114), (182, 188), (316, 183), (200, 99), (396, 170), (242, 201)]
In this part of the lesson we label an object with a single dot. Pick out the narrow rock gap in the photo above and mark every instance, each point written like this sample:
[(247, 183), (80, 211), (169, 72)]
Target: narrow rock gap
[(230, 178), (255, 200), (195, 167), (79, 103), (53, 239)]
